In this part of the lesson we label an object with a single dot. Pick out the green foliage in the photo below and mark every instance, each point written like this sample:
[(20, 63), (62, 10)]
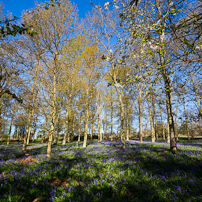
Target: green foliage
[(14, 96), (48, 4), (134, 2), (9, 27)]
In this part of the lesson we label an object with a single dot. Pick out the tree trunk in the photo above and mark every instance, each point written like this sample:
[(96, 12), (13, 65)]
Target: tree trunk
[(9, 134), (66, 134), (105, 126), (111, 116), (98, 128), (53, 116), (176, 133), (101, 124), (66, 128), (197, 97), (17, 135), (79, 135), (123, 139), (44, 130), (127, 121), (130, 128), (165, 75), (50, 139), (154, 118), (85, 130), (140, 114), (127, 129), (86, 124), (151, 120), (91, 129), (31, 110), (58, 127), (73, 127), (186, 117), (163, 130), (57, 133), (27, 130), (168, 131), (56, 137), (170, 114), (1, 121)]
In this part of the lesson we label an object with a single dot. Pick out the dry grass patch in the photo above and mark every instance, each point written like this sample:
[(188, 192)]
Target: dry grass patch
[(29, 160)]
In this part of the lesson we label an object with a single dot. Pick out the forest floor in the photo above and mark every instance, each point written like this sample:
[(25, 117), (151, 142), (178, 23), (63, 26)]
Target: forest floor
[(101, 172)]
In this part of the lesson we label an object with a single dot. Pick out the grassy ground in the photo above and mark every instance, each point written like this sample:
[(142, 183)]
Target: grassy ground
[(101, 172)]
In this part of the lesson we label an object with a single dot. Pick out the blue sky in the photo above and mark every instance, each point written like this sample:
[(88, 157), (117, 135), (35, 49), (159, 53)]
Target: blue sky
[(17, 6)]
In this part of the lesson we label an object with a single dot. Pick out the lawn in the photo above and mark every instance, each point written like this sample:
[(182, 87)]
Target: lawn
[(101, 172)]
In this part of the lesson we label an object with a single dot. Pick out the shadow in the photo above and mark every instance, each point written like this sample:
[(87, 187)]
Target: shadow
[(106, 172)]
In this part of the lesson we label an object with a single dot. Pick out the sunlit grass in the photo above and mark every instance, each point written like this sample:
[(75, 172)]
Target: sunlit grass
[(101, 172)]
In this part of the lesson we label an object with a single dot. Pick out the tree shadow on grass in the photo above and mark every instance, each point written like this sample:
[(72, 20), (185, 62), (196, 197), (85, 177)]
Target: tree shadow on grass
[(177, 171), (151, 176), (27, 186)]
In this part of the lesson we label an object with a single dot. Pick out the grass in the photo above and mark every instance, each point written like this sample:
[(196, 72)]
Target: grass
[(101, 172)]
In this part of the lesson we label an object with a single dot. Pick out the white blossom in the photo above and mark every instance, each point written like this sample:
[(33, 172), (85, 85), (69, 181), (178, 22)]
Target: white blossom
[(108, 58), (98, 6), (154, 47), (171, 3), (106, 4), (162, 36), (199, 47), (118, 85)]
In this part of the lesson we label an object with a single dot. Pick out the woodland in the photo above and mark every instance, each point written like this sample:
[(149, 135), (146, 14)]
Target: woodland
[(105, 108)]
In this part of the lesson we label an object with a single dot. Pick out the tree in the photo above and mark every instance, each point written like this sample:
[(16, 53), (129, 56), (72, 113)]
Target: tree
[(69, 85), (90, 63), (150, 22), (102, 30), (54, 22), (10, 71)]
